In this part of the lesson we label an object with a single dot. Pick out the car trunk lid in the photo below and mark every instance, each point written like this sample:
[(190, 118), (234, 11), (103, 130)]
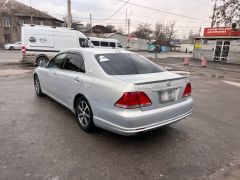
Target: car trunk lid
[(164, 88)]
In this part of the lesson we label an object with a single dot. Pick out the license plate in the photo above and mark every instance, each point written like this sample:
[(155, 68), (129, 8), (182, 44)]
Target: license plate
[(167, 96)]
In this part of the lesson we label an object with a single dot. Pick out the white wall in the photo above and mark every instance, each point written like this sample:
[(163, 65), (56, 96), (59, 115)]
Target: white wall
[(189, 47), (138, 45)]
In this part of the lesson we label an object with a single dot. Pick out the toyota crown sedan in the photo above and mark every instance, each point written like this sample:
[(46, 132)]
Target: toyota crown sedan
[(114, 89)]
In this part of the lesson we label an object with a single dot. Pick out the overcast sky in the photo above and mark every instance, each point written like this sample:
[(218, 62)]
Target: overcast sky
[(197, 11)]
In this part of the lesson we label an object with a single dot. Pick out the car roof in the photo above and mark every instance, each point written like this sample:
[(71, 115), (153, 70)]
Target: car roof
[(95, 51)]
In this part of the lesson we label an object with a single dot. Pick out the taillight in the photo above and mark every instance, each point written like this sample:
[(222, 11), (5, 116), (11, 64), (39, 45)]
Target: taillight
[(188, 90), (23, 50), (131, 100)]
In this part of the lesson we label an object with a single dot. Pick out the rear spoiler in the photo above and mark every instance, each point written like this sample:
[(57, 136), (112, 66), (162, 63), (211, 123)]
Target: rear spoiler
[(165, 80)]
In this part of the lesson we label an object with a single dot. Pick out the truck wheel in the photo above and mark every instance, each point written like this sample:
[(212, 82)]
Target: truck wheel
[(40, 60)]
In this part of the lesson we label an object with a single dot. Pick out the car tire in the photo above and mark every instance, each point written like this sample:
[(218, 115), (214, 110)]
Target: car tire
[(37, 86), (40, 60), (84, 114), (11, 48)]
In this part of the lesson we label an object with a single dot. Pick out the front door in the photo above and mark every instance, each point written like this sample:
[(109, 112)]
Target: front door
[(222, 51)]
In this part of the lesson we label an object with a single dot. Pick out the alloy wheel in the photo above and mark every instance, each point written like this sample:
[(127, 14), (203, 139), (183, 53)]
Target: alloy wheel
[(37, 85), (83, 113)]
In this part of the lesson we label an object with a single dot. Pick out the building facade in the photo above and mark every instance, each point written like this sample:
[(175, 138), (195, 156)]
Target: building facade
[(218, 44), (13, 14)]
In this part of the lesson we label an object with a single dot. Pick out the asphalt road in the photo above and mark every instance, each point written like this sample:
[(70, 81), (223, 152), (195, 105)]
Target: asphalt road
[(40, 139), (8, 56)]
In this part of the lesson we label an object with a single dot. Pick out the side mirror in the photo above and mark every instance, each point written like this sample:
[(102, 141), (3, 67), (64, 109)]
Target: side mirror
[(44, 64)]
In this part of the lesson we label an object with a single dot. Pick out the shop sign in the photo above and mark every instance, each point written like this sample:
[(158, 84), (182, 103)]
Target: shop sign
[(220, 32)]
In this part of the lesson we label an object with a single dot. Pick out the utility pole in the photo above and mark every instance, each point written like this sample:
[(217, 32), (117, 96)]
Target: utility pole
[(200, 29), (31, 12), (69, 15), (126, 21), (128, 26), (213, 16), (91, 24)]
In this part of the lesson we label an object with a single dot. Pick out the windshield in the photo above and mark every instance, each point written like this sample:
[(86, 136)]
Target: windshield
[(85, 43), (126, 64)]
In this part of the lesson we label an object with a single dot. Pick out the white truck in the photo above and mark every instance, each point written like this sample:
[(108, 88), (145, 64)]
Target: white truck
[(40, 43)]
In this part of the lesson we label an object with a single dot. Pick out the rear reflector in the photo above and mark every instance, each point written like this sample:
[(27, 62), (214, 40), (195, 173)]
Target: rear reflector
[(188, 90), (131, 100), (24, 50)]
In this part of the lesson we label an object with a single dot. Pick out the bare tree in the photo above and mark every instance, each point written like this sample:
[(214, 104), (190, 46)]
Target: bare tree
[(111, 28), (227, 12), (143, 31), (164, 33), (192, 36), (120, 30)]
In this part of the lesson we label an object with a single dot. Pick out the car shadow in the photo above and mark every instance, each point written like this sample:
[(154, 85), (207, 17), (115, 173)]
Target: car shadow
[(170, 134)]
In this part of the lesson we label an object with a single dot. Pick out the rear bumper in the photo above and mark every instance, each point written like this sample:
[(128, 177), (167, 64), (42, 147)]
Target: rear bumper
[(132, 123)]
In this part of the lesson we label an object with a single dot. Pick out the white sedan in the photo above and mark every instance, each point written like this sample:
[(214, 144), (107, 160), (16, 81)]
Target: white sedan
[(116, 90), (14, 46)]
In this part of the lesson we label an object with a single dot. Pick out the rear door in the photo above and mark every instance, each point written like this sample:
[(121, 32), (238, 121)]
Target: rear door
[(71, 77)]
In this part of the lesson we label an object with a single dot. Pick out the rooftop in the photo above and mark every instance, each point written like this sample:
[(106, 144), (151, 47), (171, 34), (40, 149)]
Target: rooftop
[(20, 9)]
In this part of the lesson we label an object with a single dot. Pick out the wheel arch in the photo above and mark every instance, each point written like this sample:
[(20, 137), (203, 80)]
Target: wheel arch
[(41, 55), (75, 100)]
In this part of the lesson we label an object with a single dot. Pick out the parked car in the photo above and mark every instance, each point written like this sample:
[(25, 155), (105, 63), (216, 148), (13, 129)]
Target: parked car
[(13, 46), (41, 43), (113, 89), (105, 42)]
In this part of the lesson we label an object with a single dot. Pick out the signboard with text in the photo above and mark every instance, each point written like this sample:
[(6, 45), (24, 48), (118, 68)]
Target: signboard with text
[(220, 32)]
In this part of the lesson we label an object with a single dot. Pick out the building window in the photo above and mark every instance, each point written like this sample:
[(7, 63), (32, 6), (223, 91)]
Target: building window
[(7, 38), (5, 23)]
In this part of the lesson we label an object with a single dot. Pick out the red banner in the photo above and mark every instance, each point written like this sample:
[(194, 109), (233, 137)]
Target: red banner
[(220, 31)]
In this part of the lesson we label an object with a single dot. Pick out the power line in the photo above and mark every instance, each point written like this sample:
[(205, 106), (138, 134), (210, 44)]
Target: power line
[(201, 2), (118, 10), (162, 11)]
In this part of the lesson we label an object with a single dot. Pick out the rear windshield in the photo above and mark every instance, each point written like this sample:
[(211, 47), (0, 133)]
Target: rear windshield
[(126, 64)]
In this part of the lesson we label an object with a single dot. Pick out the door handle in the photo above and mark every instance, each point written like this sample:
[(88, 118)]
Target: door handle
[(54, 73), (77, 79)]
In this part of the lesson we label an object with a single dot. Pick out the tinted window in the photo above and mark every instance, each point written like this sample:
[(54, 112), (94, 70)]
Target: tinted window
[(119, 45), (112, 44), (74, 62), (57, 61), (103, 43), (96, 43), (126, 64)]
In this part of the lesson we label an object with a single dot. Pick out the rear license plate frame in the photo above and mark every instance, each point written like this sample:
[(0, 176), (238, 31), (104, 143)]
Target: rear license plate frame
[(167, 96)]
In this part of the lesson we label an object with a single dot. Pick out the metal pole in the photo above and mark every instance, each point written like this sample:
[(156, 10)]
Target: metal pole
[(31, 12), (91, 24), (200, 29), (128, 26), (126, 21), (69, 16)]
